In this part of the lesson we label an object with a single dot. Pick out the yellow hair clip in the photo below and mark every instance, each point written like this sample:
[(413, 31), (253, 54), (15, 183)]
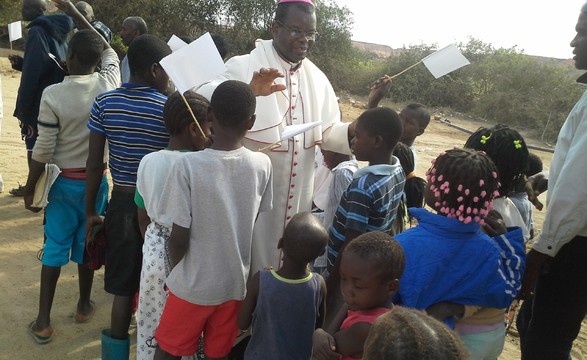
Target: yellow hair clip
[(518, 144), (484, 139)]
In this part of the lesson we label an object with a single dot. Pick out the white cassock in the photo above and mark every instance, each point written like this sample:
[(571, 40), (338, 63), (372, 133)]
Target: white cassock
[(308, 97)]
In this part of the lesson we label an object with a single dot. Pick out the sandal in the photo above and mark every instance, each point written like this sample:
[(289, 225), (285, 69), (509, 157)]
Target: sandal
[(39, 339), (17, 191)]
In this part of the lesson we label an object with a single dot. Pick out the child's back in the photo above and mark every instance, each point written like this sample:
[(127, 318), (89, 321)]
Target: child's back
[(217, 194), (448, 255), (370, 202), (285, 306), (213, 199), (284, 317)]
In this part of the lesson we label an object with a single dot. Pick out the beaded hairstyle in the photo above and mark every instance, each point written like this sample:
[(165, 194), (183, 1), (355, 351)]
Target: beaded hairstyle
[(507, 148), (463, 183)]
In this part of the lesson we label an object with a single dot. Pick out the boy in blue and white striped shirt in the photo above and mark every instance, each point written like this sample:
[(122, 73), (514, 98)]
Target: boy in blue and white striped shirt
[(130, 119)]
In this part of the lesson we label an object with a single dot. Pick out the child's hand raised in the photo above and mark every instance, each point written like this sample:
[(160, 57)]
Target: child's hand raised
[(378, 90), (324, 346), (263, 84)]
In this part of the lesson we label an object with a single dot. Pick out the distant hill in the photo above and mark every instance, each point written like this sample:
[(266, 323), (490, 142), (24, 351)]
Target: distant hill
[(385, 51)]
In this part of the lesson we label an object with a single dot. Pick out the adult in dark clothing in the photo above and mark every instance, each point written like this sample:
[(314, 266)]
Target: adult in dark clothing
[(46, 35)]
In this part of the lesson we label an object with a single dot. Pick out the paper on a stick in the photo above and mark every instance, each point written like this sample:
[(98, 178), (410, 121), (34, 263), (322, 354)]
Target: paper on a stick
[(293, 130), (193, 64), (445, 60), (14, 31), (175, 43)]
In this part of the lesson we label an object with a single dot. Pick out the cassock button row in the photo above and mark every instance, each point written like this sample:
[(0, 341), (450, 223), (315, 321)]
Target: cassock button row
[(293, 186), (295, 152), (289, 207), (295, 164), (287, 218), (293, 107), (294, 174), (291, 196)]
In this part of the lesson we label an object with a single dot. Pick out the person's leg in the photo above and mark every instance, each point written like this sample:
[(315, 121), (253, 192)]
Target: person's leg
[(49, 277), (56, 250), (120, 316), (123, 260), (86, 279), (552, 320)]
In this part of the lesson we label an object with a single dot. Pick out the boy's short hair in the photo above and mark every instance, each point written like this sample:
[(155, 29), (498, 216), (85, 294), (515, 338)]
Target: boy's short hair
[(421, 114), (144, 51), (534, 164), (87, 47), (233, 103), (304, 238), (404, 333), (382, 250), (382, 121), (176, 114), (221, 45)]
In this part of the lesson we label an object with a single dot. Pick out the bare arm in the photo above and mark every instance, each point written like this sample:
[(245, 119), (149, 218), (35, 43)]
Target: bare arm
[(144, 220), (322, 308), (245, 315), (350, 342), (35, 170), (82, 23), (178, 244), (94, 170)]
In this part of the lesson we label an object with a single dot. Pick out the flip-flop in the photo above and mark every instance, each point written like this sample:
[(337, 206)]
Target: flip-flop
[(39, 339), (82, 318)]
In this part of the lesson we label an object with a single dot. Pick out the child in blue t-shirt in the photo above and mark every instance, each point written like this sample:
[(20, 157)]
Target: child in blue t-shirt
[(285, 306)]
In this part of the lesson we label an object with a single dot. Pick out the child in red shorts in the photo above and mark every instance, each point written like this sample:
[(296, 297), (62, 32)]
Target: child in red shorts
[(212, 197)]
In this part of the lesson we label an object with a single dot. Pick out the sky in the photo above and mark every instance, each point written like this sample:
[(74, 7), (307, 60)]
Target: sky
[(539, 27)]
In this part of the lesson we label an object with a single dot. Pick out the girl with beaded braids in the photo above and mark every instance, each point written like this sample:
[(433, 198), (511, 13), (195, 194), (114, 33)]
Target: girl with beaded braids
[(450, 260), (508, 150)]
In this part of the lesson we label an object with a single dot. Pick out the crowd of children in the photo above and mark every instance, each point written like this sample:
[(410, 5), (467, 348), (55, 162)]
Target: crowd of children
[(186, 196)]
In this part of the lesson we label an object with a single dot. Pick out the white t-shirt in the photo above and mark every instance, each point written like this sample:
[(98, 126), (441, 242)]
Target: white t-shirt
[(151, 176), (217, 195), (511, 215)]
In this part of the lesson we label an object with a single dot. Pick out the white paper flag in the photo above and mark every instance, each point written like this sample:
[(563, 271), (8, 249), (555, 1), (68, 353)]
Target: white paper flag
[(175, 43), (293, 130), (445, 60), (194, 64), (14, 31)]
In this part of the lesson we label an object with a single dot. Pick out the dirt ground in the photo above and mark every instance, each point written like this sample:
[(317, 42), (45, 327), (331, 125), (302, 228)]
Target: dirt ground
[(21, 238)]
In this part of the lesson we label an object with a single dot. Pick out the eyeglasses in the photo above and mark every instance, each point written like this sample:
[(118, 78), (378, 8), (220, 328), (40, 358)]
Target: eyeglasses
[(295, 33)]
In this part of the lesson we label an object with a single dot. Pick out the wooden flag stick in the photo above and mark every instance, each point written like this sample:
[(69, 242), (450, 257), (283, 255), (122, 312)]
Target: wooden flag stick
[(270, 146), (193, 116), (398, 74)]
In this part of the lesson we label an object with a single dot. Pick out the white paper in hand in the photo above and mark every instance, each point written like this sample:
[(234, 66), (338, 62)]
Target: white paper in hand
[(193, 64), (293, 130), (14, 31), (40, 200), (445, 60), (175, 43)]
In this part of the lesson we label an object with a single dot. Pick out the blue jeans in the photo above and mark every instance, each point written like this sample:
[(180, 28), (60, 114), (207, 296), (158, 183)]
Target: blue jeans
[(550, 322)]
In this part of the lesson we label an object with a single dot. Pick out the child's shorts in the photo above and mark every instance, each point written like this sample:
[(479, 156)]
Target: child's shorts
[(182, 323), (65, 225), (124, 249)]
